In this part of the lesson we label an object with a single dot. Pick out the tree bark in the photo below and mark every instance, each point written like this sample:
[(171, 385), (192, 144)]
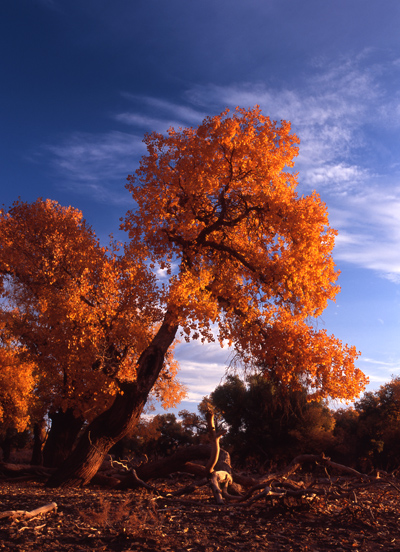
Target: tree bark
[(113, 424), (5, 445), (62, 436), (39, 437)]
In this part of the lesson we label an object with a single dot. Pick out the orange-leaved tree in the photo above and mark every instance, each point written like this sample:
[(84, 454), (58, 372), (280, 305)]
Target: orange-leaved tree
[(83, 312), (217, 210), (17, 381)]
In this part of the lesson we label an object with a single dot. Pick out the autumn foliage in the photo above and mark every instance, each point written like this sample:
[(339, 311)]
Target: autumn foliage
[(243, 260), (17, 380), (79, 314), (218, 210)]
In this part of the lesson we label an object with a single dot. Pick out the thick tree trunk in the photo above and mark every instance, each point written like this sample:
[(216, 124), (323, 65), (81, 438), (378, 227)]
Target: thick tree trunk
[(62, 436), (120, 418), (39, 437), (6, 446)]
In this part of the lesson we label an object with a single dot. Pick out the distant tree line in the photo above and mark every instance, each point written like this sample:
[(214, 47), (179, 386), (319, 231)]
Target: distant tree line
[(267, 425)]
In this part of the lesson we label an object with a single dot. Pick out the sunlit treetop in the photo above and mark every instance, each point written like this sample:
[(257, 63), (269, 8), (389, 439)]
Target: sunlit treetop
[(217, 207)]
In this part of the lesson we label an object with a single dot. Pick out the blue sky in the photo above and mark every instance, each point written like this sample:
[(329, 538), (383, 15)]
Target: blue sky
[(82, 80)]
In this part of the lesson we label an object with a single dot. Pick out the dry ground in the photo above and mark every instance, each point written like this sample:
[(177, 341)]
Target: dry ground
[(98, 519)]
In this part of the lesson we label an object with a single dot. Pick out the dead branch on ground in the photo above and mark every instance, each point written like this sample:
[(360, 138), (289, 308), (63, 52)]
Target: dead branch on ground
[(24, 514), (279, 485)]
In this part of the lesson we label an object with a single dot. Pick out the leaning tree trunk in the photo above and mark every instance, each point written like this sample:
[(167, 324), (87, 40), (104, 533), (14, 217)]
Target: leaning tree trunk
[(116, 422), (62, 436)]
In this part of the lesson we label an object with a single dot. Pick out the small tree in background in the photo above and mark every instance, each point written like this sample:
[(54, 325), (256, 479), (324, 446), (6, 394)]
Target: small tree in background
[(378, 428), (269, 422), (345, 448)]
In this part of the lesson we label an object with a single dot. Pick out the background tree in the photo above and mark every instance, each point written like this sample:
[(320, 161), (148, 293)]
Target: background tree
[(218, 211), (157, 436), (172, 435), (82, 311), (345, 448), (17, 382), (269, 422), (378, 427), (196, 424)]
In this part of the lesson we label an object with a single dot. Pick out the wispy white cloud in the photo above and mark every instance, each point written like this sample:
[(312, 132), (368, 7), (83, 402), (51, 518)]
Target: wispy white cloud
[(201, 379), (183, 113), (375, 380), (85, 156), (380, 363), (379, 371), (202, 367), (168, 114), (369, 231), (137, 120), (95, 162), (148, 123), (339, 175), (329, 110)]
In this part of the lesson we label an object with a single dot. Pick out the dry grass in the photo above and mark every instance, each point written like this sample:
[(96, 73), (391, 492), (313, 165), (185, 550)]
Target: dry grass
[(129, 517), (94, 519)]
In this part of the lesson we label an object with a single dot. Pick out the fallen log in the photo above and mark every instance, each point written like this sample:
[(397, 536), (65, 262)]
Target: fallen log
[(183, 461), (13, 471), (165, 466), (278, 484), (297, 462), (217, 470), (239, 480)]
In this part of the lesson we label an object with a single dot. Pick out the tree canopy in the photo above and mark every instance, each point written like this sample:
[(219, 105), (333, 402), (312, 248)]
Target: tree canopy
[(79, 311), (217, 208)]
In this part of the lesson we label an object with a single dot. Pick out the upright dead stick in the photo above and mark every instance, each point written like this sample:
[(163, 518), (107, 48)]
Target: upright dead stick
[(215, 436), (216, 478)]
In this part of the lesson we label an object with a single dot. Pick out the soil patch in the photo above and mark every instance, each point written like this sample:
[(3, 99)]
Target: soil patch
[(98, 519)]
